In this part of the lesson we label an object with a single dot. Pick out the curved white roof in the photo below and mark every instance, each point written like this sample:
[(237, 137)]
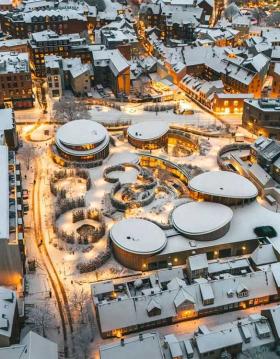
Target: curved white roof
[(149, 130), (223, 184), (138, 236), (196, 218), (81, 132)]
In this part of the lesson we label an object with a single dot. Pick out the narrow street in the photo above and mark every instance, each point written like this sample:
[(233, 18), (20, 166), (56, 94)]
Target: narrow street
[(41, 235)]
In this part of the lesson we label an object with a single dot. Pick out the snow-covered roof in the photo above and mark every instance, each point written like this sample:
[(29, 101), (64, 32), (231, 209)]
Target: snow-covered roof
[(138, 236), (147, 131), (6, 2), (166, 275), (102, 287), (81, 133), (245, 220), (265, 105), (13, 62), (146, 345), (7, 121), (196, 218), (127, 312), (8, 303), (277, 68), (32, 346), (264, 254), (12, 42), (4, 192), (235, 96), (224, 184), (111, 58), (66, 14), (218, 340), (198, 262), (217, 266)]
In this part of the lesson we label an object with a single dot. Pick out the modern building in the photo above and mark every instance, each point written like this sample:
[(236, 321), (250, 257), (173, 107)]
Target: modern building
[(223, 187), (81, 142), (218, 237), (265, 152), (134, 240), (205, 220), (148, 135), (15, 80), (262, 117)]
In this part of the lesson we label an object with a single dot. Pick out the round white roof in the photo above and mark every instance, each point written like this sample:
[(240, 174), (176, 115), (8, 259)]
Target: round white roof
[(81, 132), (149, 130), (138, 236), (196, 218), (223, 184)]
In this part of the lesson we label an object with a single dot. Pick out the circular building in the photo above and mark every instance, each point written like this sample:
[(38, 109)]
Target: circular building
[(222, 186), (149, 135), (134, 240), (202, 221), (82, 141)]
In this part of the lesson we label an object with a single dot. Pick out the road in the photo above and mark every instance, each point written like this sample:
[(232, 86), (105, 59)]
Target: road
[(40, 237)]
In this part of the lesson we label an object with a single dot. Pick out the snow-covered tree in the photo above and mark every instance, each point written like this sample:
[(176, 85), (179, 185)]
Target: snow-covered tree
[(69, 109)]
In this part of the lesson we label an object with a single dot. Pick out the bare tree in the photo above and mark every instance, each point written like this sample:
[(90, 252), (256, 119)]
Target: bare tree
[(41, 319), (82, 340), (69, 109), (79, 301)]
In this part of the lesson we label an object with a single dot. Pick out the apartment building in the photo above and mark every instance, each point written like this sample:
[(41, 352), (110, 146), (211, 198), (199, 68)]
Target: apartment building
[(12, 245), (122, 36), (275, 91), (111, 70), (262, 117), (15, 80), (48, 42), (68, 74), (63, 21), (229, 103)]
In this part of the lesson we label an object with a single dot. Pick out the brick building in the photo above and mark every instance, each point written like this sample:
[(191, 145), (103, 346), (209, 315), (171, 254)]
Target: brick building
[(15, 80), (62, 21)]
